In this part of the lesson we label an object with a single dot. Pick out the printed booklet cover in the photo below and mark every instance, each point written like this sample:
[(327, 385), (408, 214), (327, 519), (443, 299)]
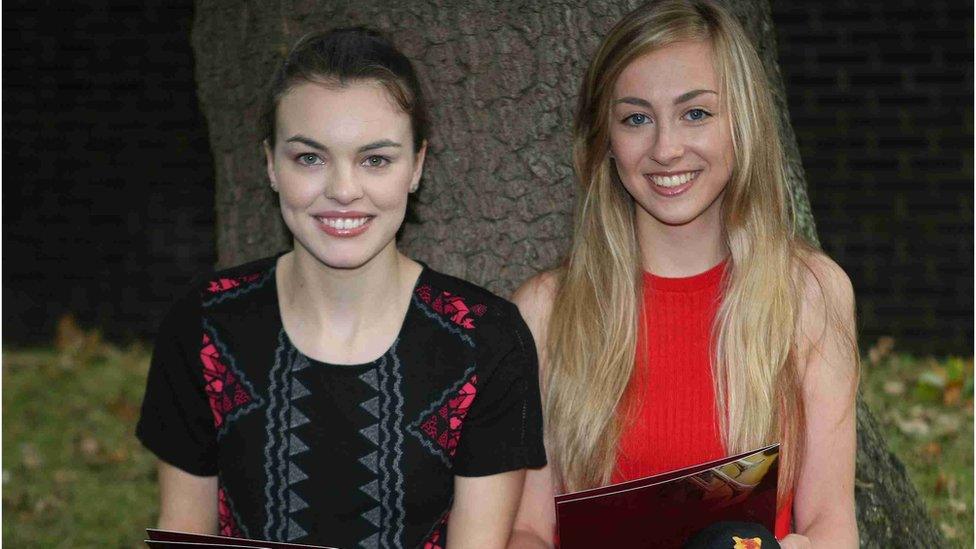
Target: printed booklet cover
[(665, 510)]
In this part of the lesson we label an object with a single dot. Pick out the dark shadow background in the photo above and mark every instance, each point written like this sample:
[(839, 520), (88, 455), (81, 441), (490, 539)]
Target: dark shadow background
[(108, 203)]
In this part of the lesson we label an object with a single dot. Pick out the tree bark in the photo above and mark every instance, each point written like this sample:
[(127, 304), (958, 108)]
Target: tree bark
[(496, 200)]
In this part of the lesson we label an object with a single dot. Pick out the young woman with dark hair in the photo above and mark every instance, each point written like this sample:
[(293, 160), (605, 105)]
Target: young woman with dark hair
[(343, 393)]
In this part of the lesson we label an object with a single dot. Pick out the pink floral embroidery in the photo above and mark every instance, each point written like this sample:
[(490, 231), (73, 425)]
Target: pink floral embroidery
[(452, 306), (223, 389), (444, 426), (226, 518), (224, 284), (423, 293), (436, 538)]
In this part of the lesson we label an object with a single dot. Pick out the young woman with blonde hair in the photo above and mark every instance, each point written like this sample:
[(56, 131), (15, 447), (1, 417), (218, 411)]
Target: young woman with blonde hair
[(690, 320)]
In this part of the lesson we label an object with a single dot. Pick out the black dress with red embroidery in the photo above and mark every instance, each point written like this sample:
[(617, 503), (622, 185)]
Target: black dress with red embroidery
[(344, 455)]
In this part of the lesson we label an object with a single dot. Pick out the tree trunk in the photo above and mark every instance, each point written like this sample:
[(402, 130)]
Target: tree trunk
[(496, 200)]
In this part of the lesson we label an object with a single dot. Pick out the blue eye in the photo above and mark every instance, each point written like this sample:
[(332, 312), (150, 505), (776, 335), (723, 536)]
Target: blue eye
[(637, 119), (697, 115), (376, 161), (309, 159)]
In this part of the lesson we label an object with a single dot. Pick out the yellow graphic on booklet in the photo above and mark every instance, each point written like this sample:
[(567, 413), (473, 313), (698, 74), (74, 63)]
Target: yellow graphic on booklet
[(751, 543)]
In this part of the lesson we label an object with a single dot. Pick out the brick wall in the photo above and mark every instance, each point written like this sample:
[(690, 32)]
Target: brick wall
[(108, 201), (108, 192), (881, 97)]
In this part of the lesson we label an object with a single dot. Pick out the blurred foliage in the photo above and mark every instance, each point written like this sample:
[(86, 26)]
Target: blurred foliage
[(925, 407), (75, 476), (73, 473)]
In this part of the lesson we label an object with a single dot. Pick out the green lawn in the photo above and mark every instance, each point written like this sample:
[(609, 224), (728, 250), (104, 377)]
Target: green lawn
[(925, 407), (75, 476)]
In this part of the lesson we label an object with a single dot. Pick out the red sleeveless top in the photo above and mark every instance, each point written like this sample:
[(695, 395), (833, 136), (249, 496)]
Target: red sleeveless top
[(676, 422)]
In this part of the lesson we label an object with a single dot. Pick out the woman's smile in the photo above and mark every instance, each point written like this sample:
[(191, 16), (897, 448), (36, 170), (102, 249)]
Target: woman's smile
[(673, 183), (343, 224)]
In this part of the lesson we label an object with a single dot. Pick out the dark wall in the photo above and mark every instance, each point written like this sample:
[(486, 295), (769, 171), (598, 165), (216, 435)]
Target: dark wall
[(881, 97), (108, 202), (108, 195)]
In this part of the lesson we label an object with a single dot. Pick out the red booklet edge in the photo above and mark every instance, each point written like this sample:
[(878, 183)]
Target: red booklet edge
[(659, 478)]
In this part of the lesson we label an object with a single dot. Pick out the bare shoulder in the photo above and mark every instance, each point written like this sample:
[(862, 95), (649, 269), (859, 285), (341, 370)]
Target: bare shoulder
[(824, 285), (826, 322), (534, 299)]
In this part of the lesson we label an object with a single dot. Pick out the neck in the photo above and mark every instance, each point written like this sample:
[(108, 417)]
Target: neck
[(343, 299), (676, 251)]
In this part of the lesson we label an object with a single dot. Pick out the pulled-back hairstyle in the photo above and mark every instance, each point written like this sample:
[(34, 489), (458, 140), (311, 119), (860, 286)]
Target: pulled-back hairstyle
[(345, 55), (593, 327)]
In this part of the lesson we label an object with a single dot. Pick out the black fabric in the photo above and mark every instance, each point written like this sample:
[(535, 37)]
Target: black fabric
[(349, 456), (733, 535)]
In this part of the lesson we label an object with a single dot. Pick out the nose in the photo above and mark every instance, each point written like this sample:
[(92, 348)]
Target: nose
[(667, 146), (342, 186)]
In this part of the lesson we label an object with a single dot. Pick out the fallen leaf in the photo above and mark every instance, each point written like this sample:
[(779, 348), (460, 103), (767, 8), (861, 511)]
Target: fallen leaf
[(45, 504), (894, 387), (30, 456), (89, 447), (118, 455), (946, 424), (940, 484), (64, 476), (952, 395), (948, 531), (915, 427), (932, 450), (958, 506), (123, 409)]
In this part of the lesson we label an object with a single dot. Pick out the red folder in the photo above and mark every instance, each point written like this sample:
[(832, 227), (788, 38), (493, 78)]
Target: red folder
[(665, 510)]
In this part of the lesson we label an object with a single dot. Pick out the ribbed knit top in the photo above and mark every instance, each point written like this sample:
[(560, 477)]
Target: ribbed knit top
[(674, 423)]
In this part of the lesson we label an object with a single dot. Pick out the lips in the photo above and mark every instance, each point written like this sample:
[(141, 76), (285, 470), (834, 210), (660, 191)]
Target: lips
[(343, 224), (673, 183)]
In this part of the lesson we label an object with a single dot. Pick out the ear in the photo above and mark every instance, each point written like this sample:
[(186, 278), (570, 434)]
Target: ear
[(418, 169), (269, 161)]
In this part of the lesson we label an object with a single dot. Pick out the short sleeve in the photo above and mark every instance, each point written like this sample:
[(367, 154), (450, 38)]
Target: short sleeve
[(176, 423), (503, 430)]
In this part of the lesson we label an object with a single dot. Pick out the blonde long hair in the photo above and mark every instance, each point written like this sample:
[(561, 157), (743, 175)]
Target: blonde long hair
[(592, 332)]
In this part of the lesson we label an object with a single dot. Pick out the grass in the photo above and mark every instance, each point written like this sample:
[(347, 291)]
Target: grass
[(75, 476), (925, 407), (73, 473)]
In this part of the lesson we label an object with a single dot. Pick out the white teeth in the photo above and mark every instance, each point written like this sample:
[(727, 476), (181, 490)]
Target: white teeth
[(344, 223), (673, 180)]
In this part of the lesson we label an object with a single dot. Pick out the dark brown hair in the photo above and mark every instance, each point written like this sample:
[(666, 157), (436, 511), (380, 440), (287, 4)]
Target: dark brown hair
[(346, 55)]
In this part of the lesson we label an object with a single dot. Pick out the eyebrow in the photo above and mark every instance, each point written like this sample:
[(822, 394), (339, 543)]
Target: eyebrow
[(379, 145), (687, 96), (306, 141), (632, 101), (318, 146)]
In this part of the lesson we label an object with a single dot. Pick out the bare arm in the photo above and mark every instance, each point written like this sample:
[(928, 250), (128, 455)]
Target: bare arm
[(483, 510), (823, 508), (535, 523), (187, 503)]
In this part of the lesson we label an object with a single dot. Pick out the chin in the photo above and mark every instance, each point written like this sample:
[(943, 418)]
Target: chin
[(342, 256), (671, 217)]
